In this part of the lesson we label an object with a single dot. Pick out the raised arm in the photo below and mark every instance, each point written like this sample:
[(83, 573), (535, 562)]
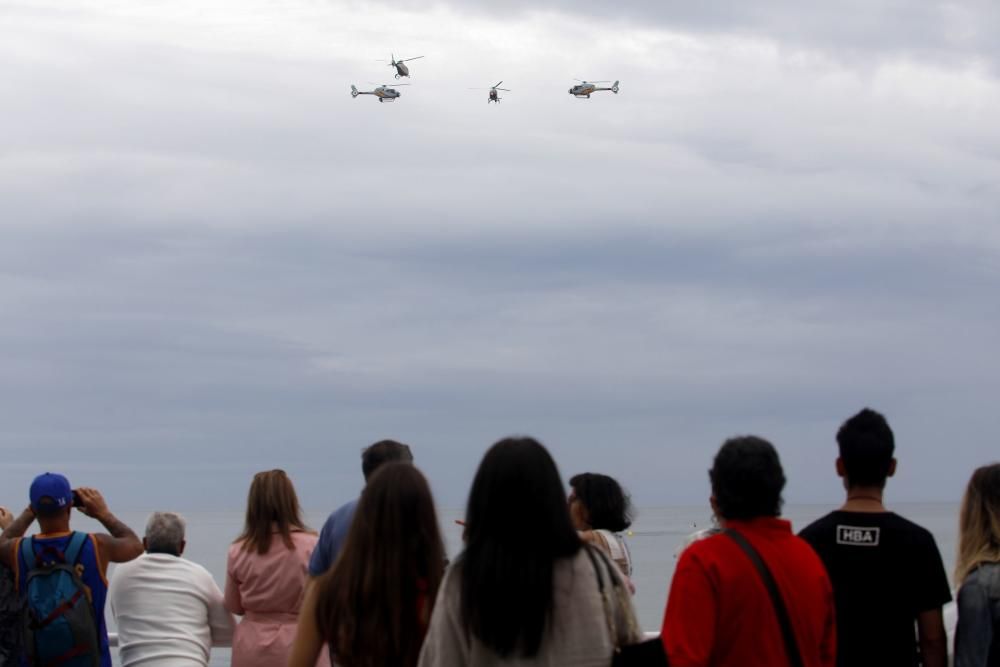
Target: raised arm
[(8, 540), (121, 544)]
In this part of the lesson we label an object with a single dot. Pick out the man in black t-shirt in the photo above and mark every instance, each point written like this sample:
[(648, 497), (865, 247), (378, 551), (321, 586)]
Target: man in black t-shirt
[(888, 580)]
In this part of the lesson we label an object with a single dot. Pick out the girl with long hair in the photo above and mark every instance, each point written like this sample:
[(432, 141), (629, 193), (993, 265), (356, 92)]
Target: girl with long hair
[(525, 590), (977, 571), (266, 572), (373, 606)]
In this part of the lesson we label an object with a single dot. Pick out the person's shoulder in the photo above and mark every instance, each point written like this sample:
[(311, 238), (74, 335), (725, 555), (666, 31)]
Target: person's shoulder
[(914, 531), (128, 568), (450, 588), (236, 550), (985, 576), (819, 528), (806, 553), (305, 538), (347, 509), (706, 549), (196, 569), (340, 514)]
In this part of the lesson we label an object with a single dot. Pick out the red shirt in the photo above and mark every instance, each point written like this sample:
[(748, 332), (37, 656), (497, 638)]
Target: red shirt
[(719, 613)]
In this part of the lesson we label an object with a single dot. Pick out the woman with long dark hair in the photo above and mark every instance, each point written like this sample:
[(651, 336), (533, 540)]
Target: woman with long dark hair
[(373, 606), (601, 511), (266, 572), (977, 572), (525, 590)]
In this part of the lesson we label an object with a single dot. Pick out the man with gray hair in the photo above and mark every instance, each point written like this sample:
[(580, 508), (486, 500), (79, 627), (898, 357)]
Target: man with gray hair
[(169, 610)]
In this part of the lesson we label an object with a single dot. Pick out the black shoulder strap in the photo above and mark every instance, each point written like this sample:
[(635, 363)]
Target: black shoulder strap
[(791, 644)]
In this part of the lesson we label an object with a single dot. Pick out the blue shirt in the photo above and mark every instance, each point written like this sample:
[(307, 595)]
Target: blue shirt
[(331, 538), (91, 575)]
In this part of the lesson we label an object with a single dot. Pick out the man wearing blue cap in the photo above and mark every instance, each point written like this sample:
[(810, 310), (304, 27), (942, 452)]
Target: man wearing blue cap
[(70, 566)]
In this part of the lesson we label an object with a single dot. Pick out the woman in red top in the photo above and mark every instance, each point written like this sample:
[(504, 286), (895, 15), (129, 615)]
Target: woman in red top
[(373, 606), (719, 612)]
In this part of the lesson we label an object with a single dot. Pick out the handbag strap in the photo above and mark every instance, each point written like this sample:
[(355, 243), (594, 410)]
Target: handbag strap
[(791, 644), (608, 614)]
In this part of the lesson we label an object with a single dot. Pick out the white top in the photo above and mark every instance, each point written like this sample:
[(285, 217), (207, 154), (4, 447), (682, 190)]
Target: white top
[(618, 550), (578, 634), (168, 611)]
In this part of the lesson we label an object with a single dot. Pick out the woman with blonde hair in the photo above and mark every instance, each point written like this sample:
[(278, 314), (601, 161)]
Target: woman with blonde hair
[(266, 572), (977, 639)]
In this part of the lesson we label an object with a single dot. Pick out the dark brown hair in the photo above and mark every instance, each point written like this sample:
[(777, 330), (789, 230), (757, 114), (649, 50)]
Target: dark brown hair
[(272, 506), (368, 604)]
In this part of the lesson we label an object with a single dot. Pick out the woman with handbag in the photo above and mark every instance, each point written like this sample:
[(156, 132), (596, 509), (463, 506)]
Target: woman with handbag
[(526, 591), (601, 511)]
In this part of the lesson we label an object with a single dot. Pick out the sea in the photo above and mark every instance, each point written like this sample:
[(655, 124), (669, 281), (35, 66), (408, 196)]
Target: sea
[(656, 538)]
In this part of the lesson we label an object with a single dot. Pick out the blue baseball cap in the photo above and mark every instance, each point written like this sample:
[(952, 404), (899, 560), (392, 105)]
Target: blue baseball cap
[(50, 492)]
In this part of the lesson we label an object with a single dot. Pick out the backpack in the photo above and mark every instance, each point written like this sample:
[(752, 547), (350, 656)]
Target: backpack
[(60, 627)]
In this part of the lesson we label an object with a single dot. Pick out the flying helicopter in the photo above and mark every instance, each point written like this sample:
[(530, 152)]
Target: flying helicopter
[(494, 97), (401, 69), (384, 93), (585, 88)]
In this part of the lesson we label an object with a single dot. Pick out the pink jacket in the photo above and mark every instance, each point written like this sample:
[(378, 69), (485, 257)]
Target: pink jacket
[(267, 591)]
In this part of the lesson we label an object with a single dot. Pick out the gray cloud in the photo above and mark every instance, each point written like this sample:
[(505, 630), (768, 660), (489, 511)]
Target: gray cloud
[(214, 260), (855, 31)]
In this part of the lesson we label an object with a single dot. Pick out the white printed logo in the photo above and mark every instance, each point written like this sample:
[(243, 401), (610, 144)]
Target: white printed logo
[(858, 536)]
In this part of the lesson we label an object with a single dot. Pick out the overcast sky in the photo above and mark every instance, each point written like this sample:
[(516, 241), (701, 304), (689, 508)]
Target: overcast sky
[(214, 261)]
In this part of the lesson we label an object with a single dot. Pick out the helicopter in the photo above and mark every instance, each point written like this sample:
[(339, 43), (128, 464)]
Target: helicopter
[(401, 69), (384, 93), (585, 88), (494, 97)]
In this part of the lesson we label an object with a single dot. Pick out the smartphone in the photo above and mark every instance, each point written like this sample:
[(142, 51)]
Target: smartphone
[(77, 500)]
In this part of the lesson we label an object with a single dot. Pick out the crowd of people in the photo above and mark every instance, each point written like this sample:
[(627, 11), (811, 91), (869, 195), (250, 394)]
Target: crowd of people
[(543, 578)]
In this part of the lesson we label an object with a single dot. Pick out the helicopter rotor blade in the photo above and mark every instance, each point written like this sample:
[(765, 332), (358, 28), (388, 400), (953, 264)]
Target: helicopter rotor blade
[(406, 60), (506, 90), (497, 84)]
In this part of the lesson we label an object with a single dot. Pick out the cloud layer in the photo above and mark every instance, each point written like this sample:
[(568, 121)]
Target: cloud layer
[(214, 260)]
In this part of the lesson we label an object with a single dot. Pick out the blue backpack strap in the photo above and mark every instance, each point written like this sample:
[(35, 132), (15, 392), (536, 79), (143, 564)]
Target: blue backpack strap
[(73, 548), (28, 553)]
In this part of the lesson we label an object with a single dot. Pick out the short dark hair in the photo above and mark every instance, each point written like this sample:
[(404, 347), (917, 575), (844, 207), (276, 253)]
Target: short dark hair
[(608, 506), (747, 478), (866, 448), (381, 452), (47, 507)]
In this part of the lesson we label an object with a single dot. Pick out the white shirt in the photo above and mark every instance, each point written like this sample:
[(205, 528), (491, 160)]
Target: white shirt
[(168, 611)]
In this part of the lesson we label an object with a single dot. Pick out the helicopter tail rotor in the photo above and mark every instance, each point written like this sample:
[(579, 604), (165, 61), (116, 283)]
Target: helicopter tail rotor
[(614, 88), (354, 91)]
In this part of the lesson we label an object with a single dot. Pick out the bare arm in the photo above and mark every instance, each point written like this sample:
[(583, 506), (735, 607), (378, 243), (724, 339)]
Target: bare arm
[(10, 535), (308, 642), (122, 544), (933, 639)]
